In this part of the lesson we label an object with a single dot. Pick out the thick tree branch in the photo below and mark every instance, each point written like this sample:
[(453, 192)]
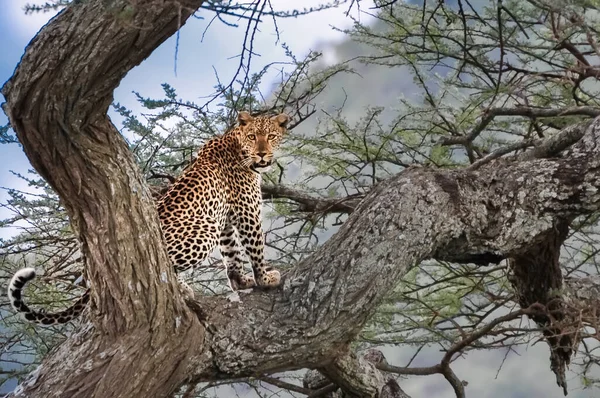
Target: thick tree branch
[(57, 106), (356, 376), (552, 146), (541, 148)]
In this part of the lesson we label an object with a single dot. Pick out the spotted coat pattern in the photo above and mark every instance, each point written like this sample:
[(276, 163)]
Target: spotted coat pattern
[(216, 201)]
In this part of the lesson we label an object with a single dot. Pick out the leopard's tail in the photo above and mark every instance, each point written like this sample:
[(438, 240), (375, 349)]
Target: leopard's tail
[(15, 288)]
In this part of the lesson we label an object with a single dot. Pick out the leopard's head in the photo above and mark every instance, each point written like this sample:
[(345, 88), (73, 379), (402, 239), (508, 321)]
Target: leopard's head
[(259, 137)]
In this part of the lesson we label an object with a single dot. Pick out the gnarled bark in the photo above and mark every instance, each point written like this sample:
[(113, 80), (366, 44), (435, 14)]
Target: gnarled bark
[(358, 377), (144, 339), (537, 278)]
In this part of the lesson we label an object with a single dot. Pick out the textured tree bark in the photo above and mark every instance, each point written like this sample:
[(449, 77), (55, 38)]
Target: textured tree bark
[(144, 340), (358, 377), (537, 278)]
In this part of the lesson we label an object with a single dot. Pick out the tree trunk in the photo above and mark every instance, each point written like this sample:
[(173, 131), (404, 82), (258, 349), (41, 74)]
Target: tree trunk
[(144, 340)]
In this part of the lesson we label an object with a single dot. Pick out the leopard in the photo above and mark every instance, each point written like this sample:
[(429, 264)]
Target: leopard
[(216, 201)]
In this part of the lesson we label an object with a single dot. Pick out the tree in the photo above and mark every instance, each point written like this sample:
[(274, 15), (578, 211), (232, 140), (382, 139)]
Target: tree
[(479, 214)]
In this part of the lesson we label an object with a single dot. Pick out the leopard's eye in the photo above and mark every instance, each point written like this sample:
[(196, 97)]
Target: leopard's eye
[(272, 137), (251, 137)]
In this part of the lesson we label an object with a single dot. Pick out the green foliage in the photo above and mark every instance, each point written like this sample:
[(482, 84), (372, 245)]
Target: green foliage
[(5, 135), (42, 238), (463, 67), (48, 6)]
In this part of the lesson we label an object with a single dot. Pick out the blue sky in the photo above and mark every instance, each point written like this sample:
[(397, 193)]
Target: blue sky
[(197, 59)]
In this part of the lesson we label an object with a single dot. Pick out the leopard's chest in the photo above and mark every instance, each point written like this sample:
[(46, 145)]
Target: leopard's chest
[(243, 189)]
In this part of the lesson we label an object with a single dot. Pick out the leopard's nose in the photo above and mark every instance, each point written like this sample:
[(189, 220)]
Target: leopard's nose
[(261, 154)]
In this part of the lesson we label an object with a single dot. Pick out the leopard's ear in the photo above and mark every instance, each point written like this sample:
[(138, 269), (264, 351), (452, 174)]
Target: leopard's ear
[(282, 119), (244, 118)]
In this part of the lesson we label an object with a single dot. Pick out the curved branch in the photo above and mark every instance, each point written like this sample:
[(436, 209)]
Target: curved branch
[(57, 101), (490, 114), (309, 203)]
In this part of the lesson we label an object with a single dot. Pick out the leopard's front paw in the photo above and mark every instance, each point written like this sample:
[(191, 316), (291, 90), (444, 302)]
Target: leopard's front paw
[(241, 282), (270, 279), (186, 290)]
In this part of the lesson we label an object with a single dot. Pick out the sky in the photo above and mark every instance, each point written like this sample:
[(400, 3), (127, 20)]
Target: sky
[(197, 59)]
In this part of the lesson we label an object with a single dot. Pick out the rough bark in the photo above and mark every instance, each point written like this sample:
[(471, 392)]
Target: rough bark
[(537, 278), (357, 377), (144, 339)]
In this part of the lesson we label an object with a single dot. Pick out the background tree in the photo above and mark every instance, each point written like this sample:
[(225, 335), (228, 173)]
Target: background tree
[(497, 81)]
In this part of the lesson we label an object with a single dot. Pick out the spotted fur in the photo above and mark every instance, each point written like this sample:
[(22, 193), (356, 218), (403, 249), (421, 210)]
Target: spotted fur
[(216, 201)]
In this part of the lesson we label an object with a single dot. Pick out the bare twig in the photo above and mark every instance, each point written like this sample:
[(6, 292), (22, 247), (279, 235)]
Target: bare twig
[(530, 112)]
